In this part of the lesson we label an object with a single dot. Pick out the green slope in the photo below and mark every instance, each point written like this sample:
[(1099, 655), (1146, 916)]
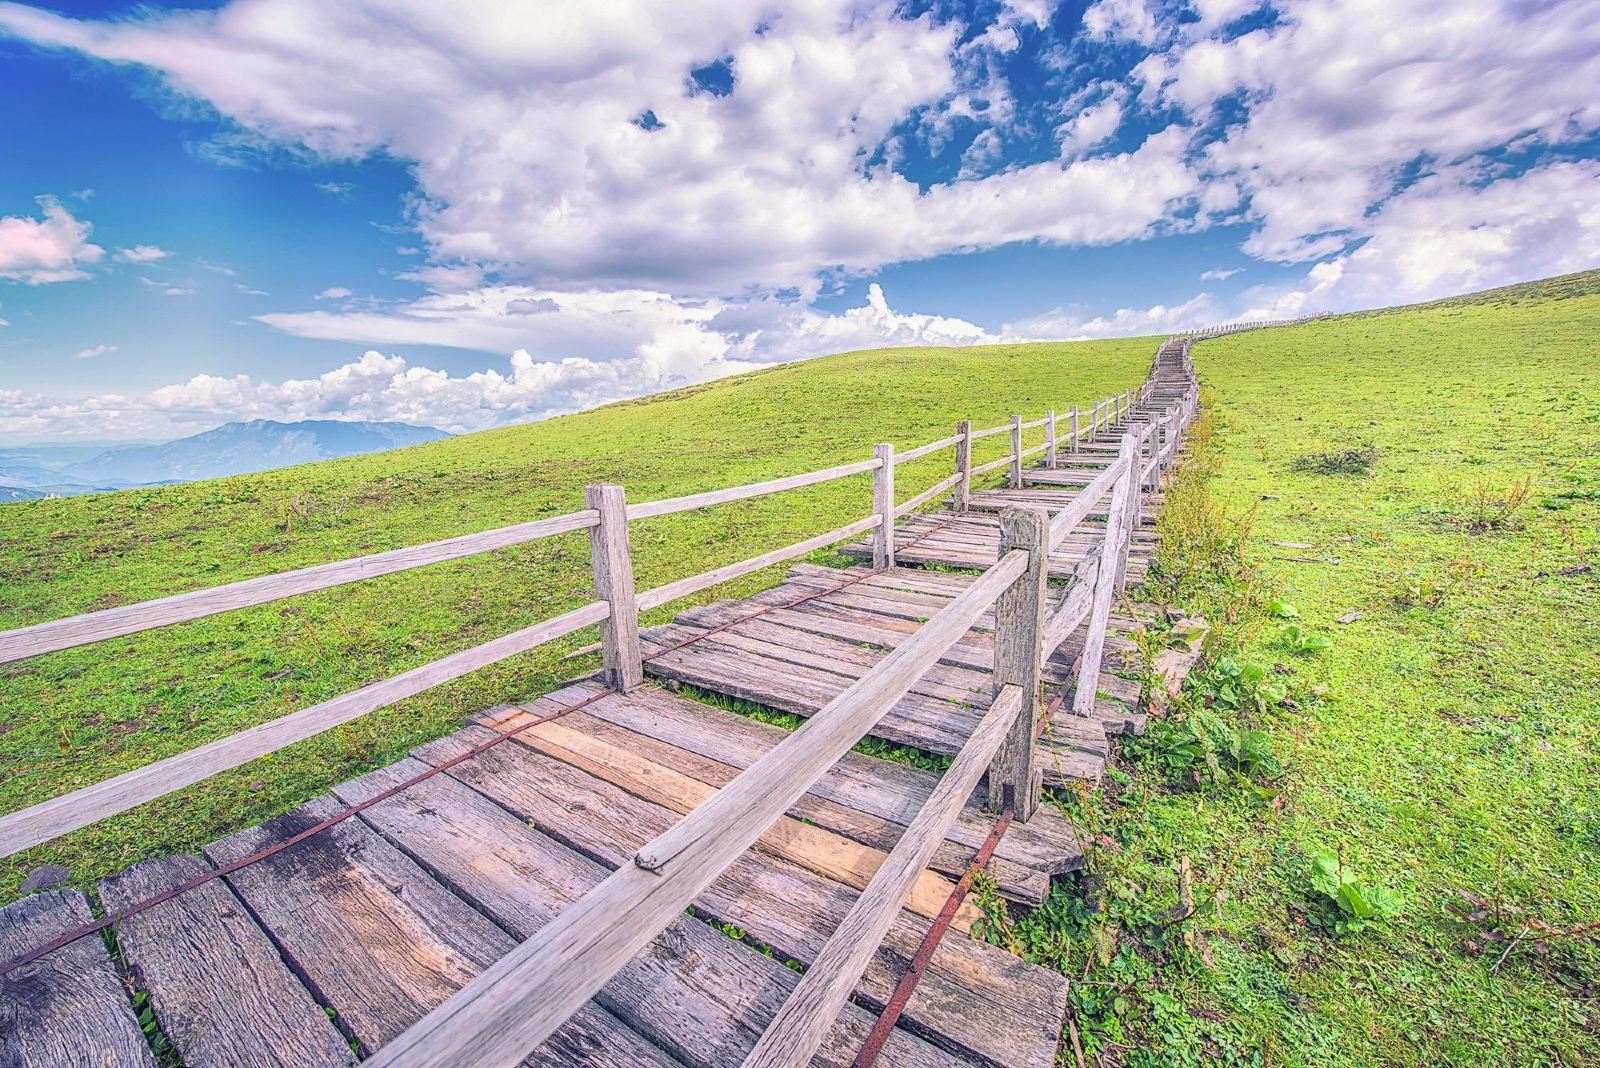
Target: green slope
[(1448, 742), (72, 718)]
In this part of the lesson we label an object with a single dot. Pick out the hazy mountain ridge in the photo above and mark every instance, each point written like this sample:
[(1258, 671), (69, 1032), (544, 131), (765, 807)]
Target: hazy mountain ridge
[(231, 449)]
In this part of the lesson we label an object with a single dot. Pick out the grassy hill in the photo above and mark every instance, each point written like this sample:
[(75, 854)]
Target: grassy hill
[(1368, 468), (1431, 475), (72, 718)]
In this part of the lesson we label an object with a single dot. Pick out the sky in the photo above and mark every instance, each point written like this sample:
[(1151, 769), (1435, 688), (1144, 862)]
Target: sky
[(480, 212)]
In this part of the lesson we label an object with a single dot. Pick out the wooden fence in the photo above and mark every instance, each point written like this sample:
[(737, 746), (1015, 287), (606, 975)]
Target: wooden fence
[(521, 999)]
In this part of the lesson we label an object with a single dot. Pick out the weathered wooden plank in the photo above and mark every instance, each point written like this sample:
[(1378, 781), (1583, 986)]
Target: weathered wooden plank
[(801, 1025), (611, 565), (130, 619), (1018, 644), (698, 994), (647, 509), (883, 506), (49, 819), (215, 981), (68, 1007), (524, 996), (380, 942), (717, 576), (974, 997), (883, 788), (817, 848)]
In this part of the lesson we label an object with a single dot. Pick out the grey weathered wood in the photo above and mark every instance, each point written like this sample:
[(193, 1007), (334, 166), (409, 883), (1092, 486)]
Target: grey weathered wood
[(927, 495), (68, 812), (1003, 428), (130, 619), (1104, 590), (382, 942), (1072, 418), (1131, 495), (694, 992), (524, 996), (992, 465), (801, 1025), (67, 1007), (660, 595), (1050, 438), (925, 450), (611, 563), (1016, 450), (883, 507), (974, 998), (1018, 647), (963, 492), (1066, 520), (215, 980), (671, 505)]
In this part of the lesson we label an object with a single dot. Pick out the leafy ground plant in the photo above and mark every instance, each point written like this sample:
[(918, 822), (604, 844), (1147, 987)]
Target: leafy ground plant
[(1355, 461), (1351, 902)]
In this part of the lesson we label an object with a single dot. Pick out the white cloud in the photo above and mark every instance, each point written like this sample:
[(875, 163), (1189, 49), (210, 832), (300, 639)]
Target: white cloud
[(1122, 20), (1074, 324), (333, 293), (1452, 233), (1217, 274), (1091, 127), (91, 353), (621, 345), (1344, 99), (178, 291), (530, 165), (54, 248), (142, 254)]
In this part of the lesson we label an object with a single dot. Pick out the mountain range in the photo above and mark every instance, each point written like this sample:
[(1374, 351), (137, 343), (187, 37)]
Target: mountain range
[(28, 473)]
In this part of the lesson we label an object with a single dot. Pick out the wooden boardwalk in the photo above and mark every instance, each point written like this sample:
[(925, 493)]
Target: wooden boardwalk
[(336, 927)]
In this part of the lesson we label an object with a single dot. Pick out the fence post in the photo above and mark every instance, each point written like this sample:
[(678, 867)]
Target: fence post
[(883, 505), (1072, 417), (1018, 648), (1016, 452), (1130, 481), (612, 564), (1050, 439), (963, 496), (1105, 585)]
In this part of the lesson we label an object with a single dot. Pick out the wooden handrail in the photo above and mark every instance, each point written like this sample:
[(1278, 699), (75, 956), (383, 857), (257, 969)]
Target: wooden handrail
[(706, 579), (146, 615), (802, 1022), (924, 450), (671, 505), (68, 812), (517, 1002)]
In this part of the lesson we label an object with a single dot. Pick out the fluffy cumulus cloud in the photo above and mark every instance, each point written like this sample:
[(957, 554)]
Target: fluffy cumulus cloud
[(531, 160), (638, 342), (588, 202), (53, 248), (142, 254)]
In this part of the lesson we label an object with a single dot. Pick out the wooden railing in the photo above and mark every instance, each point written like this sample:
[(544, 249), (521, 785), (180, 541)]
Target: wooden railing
[(512, 1006)]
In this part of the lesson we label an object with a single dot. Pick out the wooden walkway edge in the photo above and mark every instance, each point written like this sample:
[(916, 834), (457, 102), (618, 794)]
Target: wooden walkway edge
[(350, 927)]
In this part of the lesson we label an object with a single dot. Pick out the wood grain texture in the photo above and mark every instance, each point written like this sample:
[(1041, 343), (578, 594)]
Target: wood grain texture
[(648, 509), (1018, 637), (883, 507), (381, 942), (975, 998), (130, 619), (1015, 476), (801, 1025), (68, 1007), (963, 465), (49, 819), (215, 980), (694, 992), (611, 566), (660, 595)]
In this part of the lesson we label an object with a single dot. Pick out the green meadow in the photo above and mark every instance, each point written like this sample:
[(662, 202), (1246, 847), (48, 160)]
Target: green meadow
[(1389, 520), (1421, 488), (75, 717)]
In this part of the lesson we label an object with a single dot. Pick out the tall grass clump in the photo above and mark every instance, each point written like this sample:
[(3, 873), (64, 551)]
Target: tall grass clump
[(1202, 563)]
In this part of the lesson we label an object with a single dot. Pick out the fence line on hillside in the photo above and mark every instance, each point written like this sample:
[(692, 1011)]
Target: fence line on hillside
[(517, 1002)]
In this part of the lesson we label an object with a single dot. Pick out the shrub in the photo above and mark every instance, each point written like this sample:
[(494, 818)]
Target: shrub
[(1353, 902), (1356, 461)]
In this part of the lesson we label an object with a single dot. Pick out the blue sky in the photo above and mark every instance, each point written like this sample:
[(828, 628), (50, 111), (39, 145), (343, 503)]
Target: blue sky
[(460, 214)]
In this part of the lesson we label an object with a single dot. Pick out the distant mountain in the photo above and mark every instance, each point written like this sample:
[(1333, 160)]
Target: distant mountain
[(232, 449)]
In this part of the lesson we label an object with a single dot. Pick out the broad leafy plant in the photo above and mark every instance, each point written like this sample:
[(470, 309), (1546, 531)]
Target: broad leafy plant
[(1354, 901)]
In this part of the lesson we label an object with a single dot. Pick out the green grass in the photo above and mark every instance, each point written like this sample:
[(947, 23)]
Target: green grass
[(1448, 742), (75, 717)]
